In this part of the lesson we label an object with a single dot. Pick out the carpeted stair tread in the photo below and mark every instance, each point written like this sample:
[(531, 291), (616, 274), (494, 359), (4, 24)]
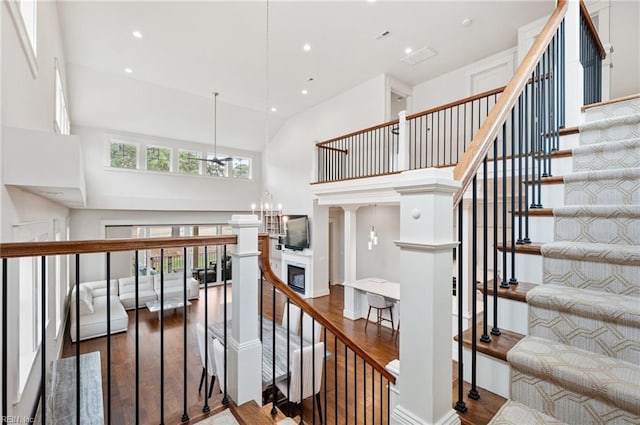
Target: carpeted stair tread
[(597, 376), (610, 128), (595, 252), (611, 186), (589, 303), (599, 322), (610, 224), (607, 155), (514, 413)]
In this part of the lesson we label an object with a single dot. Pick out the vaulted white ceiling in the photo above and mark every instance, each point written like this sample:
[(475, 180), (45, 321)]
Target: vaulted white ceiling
[(197, 47)]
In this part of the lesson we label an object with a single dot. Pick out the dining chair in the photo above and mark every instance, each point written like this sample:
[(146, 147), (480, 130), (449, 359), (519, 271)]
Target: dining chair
[(218, 358), (208, 366), (380, 303), (311, 329), (294, 317), (303, 382)]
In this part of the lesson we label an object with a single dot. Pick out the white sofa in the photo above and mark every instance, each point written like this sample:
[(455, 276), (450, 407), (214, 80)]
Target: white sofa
[(93, 310), (174, 286), (127, 291)]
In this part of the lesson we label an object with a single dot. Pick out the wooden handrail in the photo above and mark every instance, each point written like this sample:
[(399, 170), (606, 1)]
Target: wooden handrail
[(271, 277), (457, 103), (37, 249), (355, 133), (483, 141), (592, 29)]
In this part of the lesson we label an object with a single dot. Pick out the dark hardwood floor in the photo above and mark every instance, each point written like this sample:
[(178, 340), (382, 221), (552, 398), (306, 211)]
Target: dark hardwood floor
[(341, 392)]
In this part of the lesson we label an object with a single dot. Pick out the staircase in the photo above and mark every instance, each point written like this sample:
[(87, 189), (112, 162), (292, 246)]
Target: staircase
[(580, 363)]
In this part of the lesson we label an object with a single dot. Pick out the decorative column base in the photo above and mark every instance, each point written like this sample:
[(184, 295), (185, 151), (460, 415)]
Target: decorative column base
[(247, 380)]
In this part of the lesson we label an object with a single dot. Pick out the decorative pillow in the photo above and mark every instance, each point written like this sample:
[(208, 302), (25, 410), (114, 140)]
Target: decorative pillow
[(86, 301)]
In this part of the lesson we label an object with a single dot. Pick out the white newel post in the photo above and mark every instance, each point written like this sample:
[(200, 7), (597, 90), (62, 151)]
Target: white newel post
[(426, 261), (245, 348), (574, 73)]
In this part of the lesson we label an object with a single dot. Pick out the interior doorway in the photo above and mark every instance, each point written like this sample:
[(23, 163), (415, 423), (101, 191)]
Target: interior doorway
[(336, 245), (397, 104)]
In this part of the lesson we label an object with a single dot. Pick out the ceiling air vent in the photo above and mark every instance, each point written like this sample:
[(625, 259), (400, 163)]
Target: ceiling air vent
[(418, 56)]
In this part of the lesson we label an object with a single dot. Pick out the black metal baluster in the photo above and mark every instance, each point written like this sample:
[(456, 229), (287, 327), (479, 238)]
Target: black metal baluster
[(274, 411), (43, 343), (437, 155), (301, 368), (485, 242), (562, 76), (460, 404), (326, 406), (335, 379), (260, 305), (313, 369), (520, 240), (527, 120), (77, 339), (364, 390), (288, 355), (355, 387), (205, 408), (495, 330), (450, 132), (109, 337), (473, 392), (534, 138), (346, 384), (513, 280), (539, 136), (504, 283), (185, 415), (373, 395), (5, 330), (381, 402), (137, 327), (388, 402), (225, 397), (162, 335)]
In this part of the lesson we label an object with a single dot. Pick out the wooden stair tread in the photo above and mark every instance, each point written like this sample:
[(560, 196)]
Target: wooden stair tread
[(251, 413), (531, 248), (479, 411), (555, 154), (513, 292), (569, 130), (536, 212), (609, 102), (499, 345)]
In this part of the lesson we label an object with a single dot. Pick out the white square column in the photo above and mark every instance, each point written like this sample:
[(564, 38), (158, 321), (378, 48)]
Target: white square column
[(574, 72), (351, 297), (426, 263), (245, 348)]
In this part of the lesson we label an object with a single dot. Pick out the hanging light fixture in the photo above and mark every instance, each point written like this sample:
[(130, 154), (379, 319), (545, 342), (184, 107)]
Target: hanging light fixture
[(215, 159), (373, 235)]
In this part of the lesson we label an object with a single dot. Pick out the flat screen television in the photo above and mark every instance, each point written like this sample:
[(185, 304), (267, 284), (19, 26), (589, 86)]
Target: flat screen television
[(296, 232)]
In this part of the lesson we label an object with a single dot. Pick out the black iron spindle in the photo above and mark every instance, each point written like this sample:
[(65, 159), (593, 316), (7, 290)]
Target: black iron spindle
[(5, 350), (225, 397), (185, 415), (495, 330), (77, 339), (162, 335), (485, 242), (504, 283), (513, 280), (205, 408), (109, 337), (460, 404), (43, 344), (274, 395), (473, 392)]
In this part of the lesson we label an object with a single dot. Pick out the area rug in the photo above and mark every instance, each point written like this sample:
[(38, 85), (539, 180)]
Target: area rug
[(223, 418)]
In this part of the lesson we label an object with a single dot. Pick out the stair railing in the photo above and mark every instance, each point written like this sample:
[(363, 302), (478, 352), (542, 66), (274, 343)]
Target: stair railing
[(355, 387), (122, 406), (592, 53), (501, 174)]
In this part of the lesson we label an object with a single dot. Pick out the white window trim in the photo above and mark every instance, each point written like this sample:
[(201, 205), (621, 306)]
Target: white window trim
[(146, 147), (200, 166), (29, 49), (139, 160)]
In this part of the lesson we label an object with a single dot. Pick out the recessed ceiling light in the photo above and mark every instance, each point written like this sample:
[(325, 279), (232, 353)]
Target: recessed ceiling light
[(128, 70), (408, 50), (137, 34), (466, 22), (306, 47), (304, 91), (274, 109)]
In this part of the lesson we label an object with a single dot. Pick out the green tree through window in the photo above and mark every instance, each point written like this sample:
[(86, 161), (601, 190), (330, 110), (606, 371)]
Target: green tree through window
[(241, 168), (123, 155), (188, 162), (158, 159)]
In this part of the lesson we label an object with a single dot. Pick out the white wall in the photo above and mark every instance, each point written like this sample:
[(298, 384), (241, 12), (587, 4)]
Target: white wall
[(383, 261), (155, 110), (28, 102), (112, 188), (624, 28)]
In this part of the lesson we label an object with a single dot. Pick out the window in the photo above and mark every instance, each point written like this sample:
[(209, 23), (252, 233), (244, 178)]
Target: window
[(241, 168), (24, 14), (123, 155), (62, 125), (188, 162), (158, 159), (214, 169), (29, 14)]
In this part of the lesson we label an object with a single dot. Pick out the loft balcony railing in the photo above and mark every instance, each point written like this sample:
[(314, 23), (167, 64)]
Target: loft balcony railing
[(156, 383), (592, 53)]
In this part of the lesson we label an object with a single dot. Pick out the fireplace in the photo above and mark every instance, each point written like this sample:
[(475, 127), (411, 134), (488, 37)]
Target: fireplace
[(295, 278)]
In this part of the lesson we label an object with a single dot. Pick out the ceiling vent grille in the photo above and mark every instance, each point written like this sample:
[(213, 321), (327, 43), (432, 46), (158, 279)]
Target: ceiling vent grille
[(419, 56)]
